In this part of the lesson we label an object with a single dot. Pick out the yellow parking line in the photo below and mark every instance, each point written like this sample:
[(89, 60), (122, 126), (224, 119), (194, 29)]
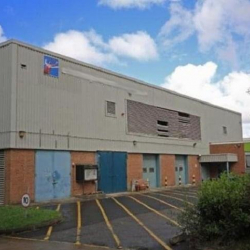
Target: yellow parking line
[(51, 227), (117, 241), (163, 202), (155, 211), (79, 223), (162, 243), (179, 199), (183, 194)]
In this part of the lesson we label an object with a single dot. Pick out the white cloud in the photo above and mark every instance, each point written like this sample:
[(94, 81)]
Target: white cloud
[(219, 25), (139, 46), (81, 46), (90, 47), (179, 27), (2, 37), (140, 4), (197, 82)]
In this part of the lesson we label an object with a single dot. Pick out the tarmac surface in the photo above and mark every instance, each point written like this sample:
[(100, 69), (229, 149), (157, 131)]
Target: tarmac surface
[(134, 221)]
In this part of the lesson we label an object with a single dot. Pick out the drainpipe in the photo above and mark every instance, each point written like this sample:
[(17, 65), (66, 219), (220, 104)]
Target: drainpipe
[(228, 171)]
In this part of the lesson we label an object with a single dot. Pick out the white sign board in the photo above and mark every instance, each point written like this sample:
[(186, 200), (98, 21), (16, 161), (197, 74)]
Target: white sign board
[(25, 200), (90, 174)]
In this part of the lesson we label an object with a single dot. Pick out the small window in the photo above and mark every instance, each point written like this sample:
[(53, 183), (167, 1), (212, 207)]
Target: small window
[(144, 170), (110, 108), (183, 115), (224, 130), (151, 170), (248, 161), (162, 123)]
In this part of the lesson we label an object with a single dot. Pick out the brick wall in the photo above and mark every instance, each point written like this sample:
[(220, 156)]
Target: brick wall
[(234, 148), (142, 118), (81, 158), (167, 163), (20, 175), (134, 168), (194, 168)]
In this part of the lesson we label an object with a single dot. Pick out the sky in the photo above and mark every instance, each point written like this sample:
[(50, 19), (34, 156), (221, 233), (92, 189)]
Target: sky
[(199, 48)]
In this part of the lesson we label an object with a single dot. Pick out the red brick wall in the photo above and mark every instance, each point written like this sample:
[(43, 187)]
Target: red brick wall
[(20, 175), (81, 158), (194, 168), (134, 168), (167, 163), (234, 148)]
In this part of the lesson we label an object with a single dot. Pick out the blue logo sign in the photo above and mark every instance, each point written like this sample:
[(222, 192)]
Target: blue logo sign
[(51, 66)]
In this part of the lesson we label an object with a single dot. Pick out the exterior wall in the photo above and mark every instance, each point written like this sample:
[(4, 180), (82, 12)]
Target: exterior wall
[(134, 168), (234, 148), (84, 89), (6, 91), (20, 175), (194, 168), (82, 158), (167, 163)]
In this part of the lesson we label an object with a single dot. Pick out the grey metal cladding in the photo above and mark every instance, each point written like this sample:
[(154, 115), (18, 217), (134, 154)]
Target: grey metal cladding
[(142, 119)]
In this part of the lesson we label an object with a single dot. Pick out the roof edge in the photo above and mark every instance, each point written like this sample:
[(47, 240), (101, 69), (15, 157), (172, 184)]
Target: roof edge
[(110, 72)]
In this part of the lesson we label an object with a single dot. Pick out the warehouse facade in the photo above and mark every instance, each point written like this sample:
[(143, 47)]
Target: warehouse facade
[(58, 115)]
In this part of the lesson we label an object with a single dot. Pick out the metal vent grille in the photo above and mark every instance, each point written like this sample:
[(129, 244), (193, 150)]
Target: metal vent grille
[(2, 177), (110, 108)]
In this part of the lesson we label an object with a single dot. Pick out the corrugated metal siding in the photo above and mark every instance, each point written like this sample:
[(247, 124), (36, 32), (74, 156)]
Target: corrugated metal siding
[(2, 177), (69, 112), (5, 96)]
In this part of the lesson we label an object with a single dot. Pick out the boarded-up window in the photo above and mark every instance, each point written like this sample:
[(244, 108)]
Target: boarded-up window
[(110, 108)]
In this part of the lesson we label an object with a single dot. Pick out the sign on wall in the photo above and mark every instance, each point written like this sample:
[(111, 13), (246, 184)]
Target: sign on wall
[(51, 66)]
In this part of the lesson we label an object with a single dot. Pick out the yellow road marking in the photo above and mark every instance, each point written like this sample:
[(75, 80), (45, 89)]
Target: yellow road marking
[(179, 199), (183, 194), (79, 223), (162, 243), (117, 241), (155, 211), (163, 202), (51, 227)]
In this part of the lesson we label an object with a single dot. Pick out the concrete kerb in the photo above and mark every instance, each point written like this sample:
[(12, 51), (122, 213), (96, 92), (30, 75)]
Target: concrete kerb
[(103, 196)]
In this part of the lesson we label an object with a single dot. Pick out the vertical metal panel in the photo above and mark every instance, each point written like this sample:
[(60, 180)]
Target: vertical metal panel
[(52, 175), (5, 95), (181, 169), (2, 177), (150, 169), (112, 171)]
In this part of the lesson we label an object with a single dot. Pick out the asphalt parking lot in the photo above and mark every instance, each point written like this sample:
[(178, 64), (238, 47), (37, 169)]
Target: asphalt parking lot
[(136, 221)]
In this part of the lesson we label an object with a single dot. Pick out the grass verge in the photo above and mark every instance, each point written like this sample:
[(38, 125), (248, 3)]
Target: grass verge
[(16, 218)]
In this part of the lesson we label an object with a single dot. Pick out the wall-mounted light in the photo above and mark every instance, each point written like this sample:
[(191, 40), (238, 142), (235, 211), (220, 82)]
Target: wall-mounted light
[(194, 145), (22, 134), (134, 143)]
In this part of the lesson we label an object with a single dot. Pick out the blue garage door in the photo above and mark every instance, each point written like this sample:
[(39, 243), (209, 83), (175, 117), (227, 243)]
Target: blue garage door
[(181, 169), (112, 174), (150, 169), (52, 178)]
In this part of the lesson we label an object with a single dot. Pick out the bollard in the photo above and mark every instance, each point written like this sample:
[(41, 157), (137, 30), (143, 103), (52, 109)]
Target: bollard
[(166, 181), (194, 181), (179, 179)]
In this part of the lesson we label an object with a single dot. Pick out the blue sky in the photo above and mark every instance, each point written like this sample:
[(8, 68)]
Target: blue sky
[(196, 47)]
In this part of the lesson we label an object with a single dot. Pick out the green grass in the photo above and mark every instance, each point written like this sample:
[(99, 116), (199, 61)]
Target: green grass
[(16, 217)]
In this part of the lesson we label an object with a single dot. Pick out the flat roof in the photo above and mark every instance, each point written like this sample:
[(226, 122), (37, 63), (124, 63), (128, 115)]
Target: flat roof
[(230, 142), (215, 158), (35, 48)]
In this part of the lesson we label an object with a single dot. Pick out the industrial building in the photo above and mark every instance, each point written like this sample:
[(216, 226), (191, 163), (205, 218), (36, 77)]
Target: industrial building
[(68, 128)]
